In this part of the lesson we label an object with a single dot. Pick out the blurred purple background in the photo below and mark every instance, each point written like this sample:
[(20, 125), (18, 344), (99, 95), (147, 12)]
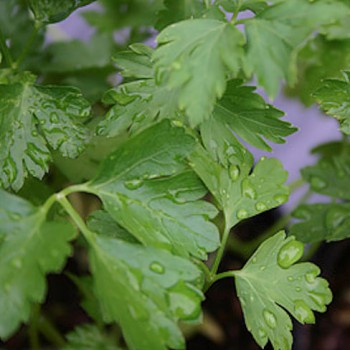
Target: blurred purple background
[(314, 127)]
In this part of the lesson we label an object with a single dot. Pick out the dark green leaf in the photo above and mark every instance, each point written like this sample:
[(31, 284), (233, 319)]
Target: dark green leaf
[(146, 290), (147, 188), (330, 222), (89, 337), (30, 247), (50, 11), (31, 118), (334, 99)]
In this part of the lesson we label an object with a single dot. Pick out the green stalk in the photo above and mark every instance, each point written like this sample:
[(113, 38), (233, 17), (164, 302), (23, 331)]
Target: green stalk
[(33, 328), (5, 50), (221, 250), (48, 330), (79, 222), (28, 46)]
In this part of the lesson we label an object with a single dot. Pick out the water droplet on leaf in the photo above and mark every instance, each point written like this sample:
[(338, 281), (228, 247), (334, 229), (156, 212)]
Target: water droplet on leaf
[(270, 318), (290, 253), (242, 214), (260, 206), (280, 198), (318, 183), (157, 267), (248, 190), (262, 334), (234, 172), (303, 313), (133, 184)]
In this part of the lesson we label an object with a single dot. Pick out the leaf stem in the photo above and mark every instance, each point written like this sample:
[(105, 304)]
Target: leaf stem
[(49, 331), (79, 222), (221, 250), (33, 328), (235, 14), (28, 45), (5, 50)]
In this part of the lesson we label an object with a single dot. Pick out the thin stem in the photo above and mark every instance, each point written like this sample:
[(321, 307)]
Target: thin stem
[(207, 4), (222, 275), (49, 331), (29, 44), (33, 328), (221, 250), (75, 217), (237, 9), (5, 50)]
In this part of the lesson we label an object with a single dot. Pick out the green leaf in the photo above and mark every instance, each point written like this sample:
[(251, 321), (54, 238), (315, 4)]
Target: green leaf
[(89, 337), (30, 247), (239, 192), (146, 290), (330, 176), (112, 16), (278, 33), (320, 59), (213, 50), (178, 10), (147, 188), (77, 55), (270, 284), (103, 224), (250, 117), (330, 222), (334, 99), (17, 26), (50, 11), (33, 117), (139, 103)]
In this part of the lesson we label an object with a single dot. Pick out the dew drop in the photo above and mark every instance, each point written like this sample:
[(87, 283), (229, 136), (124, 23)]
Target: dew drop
[(319, 300), (133, 184), (234, 172), (34, 133), (176, 65), (290, 279), (260, 206), (17, 263), (280, 198), (242, 214), (298, 289), (262, 267), (157, 267), (270, 318), (289, 253), (335, 217), (262, 334), (318, 183), (310, 277), (303, 313), (254, 260), (248, 190), (54, 118)]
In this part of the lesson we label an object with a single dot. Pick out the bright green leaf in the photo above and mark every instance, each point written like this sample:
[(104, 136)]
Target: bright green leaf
[(139, 103), (89, 337), (213, 49), (331, 175), (50, 11), (146, 290), (240, 193), (250, 117), (334, 99), (326, 221), (33, 117), (268, 290), (30, 247), (276, 35), (147, 188)]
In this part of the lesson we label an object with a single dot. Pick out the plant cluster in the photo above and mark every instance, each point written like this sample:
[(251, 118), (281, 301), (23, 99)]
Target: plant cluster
[(165, 153)]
